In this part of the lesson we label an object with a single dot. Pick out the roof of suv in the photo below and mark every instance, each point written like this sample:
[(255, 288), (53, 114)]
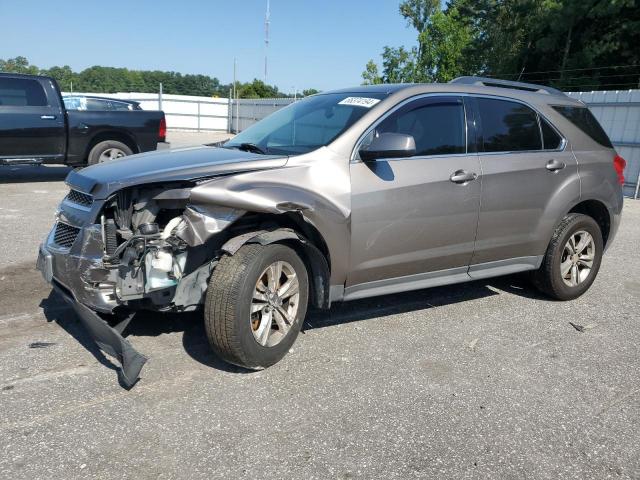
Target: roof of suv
[(478, 85)]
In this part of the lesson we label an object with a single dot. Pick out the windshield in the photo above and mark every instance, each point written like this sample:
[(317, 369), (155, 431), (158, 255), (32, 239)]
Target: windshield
[(305, 125)]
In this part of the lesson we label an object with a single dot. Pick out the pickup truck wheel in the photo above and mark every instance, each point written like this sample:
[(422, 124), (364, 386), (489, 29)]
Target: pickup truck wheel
[(256, 303), (107, 151), (572, 260)]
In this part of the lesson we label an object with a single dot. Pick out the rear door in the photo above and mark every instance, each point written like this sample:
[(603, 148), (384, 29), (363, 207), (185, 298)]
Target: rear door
[(417, 215), (528, 176), (32, 122)]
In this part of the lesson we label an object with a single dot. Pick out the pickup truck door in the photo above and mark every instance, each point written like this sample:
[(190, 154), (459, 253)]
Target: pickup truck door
[(414, 220), (32, 122)]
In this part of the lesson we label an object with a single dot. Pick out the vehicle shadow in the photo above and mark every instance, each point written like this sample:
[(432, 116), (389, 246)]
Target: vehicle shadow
[(32, 173), (56, 310), (377, 307), (194, 339)]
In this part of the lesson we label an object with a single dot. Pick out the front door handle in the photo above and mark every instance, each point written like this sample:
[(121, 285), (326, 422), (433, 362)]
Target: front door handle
[(555, 165), (462, 177), (48, 117)]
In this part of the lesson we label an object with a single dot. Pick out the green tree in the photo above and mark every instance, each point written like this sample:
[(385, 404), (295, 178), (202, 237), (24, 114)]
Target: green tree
[(371, 75), (443, 44), (18, 65)]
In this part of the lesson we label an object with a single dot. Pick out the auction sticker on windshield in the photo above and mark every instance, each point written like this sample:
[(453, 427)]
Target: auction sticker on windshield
[(359, 102)]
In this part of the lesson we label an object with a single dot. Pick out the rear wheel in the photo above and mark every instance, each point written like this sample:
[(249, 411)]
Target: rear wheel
[(256, 303), (107, 151), (573, 258)]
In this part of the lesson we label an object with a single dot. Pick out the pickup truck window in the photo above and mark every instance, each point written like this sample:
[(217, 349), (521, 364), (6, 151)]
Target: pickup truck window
[(21, 92), (307, 124)]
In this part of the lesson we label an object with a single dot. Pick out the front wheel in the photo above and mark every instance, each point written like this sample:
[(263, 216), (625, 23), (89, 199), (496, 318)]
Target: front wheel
[(573, 258), (256, 303)]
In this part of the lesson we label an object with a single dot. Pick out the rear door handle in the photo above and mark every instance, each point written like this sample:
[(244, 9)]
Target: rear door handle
[(48, 117), (462, 177), (555, 165)]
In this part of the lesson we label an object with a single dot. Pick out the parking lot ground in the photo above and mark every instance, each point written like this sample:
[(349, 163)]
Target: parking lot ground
[(479, 380)]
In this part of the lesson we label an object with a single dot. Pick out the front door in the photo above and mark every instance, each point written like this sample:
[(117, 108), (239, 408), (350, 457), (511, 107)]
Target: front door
[(418, 215), (30, 128)]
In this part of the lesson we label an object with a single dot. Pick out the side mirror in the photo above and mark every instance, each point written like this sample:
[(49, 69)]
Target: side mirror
[(389, 145)]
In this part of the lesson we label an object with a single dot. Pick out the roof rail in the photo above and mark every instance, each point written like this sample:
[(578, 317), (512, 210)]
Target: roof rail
[(496, 82)]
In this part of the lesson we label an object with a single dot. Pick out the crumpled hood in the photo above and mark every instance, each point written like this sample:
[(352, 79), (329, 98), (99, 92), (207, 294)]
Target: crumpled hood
[(168, 165)]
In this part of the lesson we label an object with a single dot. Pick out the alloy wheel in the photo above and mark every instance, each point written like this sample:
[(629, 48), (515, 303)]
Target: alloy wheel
[(577, 258), (274, 305)]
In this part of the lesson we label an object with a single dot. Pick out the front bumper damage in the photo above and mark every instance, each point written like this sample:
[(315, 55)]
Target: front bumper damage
[(108, 338), (163, 271)]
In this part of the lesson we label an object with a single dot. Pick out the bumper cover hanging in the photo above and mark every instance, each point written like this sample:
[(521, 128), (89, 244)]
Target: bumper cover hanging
[(110, 341)]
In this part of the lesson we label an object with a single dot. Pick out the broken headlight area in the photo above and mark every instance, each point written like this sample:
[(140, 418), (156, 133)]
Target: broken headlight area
[(159, 248)]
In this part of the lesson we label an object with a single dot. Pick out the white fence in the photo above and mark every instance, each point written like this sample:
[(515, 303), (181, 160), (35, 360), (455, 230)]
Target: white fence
[(617, 111), (182, 112)]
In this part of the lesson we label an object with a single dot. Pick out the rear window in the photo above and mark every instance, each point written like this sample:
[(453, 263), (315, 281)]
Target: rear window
[(21, 92), (582, 118), (508, 126)]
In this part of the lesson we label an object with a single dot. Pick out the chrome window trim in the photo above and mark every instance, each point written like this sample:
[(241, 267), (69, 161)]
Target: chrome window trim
[(563, 143)]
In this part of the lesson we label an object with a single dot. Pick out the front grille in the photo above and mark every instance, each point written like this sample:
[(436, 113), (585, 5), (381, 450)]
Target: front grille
[(65, 235), (74, 196)]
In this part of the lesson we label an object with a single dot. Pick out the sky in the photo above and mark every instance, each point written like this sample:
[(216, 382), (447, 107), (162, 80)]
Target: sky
[(321, 44)]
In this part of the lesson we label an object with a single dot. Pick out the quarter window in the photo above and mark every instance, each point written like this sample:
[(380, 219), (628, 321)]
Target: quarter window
[(582, 118), (550, 138), (436, 124), (508, 126), (21, 92)]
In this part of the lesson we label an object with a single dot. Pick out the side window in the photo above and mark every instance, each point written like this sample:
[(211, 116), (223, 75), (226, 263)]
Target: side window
[(550, 138), (21, 92), (436, 124), (508, 126)]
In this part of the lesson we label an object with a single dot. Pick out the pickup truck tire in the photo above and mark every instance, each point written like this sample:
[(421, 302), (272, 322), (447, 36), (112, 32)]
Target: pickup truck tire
[(572, 260), (107, 150), (255, 305)]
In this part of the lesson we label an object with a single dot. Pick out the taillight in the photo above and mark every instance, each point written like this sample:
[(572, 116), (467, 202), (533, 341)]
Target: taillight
[(162, 130), (619, 163)]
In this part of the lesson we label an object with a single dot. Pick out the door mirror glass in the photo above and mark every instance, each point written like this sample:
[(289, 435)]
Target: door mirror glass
[(388, 145)]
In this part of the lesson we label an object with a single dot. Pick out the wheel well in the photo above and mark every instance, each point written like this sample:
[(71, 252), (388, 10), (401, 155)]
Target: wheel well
[(117, 136), (314, 255), (596, 210), (293, 220)]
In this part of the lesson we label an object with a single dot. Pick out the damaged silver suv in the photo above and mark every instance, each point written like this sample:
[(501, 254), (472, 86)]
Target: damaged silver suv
[(343, 195)]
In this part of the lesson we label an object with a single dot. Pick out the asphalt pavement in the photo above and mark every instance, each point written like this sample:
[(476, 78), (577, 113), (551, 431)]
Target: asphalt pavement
[(480, 380)]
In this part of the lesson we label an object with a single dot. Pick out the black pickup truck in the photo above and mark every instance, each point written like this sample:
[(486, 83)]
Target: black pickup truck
[(36, 128)]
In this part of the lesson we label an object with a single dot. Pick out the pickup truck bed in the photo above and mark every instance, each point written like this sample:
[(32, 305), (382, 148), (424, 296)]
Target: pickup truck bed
[(36, 128)]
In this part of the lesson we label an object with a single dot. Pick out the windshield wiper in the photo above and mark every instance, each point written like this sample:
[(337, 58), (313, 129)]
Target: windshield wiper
[(251, 147)]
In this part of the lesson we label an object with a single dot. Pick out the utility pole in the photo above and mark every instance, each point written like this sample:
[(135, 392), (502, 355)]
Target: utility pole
[(267, 18), (235, 94)]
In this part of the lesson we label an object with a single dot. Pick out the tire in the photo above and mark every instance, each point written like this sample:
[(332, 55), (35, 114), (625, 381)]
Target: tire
[(235, 334), (102, 149), (549, 279)]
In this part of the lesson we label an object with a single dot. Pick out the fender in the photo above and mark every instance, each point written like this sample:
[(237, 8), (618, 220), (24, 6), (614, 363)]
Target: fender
[(319, 191)]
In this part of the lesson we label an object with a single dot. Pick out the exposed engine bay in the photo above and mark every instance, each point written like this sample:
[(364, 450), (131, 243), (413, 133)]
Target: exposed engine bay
[(159, 249)]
